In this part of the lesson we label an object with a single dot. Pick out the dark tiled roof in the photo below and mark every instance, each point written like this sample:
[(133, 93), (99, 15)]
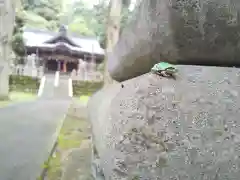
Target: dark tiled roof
[(52, 33), (36, 37)]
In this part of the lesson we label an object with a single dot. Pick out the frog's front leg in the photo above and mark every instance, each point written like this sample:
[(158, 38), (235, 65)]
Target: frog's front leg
[(159, 73), (164, 74)]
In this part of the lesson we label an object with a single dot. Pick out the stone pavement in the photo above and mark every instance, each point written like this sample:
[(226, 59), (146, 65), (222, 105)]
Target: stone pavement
[(28, 131), (48, 89), (52, 92)]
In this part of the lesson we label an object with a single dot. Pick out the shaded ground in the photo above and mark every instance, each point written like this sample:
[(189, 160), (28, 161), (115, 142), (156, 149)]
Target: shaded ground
[(73, 154), (29, 130)]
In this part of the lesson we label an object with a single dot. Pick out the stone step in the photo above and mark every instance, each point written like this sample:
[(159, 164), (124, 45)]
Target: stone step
[(62, 90)]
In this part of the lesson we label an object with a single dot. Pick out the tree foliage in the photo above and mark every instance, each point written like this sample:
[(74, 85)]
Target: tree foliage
[(17, 39), (99, 22), (94, 19), (79, 26), (81, 19), (42, 14), (18, 44)]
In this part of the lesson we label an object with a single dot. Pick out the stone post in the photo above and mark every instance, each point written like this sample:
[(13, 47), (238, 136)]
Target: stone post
[(59, 65), (4, 82), (7, 17), (85, 71), (4, 70), (93, 64)]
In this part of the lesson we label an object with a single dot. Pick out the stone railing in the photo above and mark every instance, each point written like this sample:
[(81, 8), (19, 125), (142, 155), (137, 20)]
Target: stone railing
[(27, 71)]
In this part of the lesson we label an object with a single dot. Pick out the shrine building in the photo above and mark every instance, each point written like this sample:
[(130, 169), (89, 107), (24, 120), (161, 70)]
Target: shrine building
[(62, 51)]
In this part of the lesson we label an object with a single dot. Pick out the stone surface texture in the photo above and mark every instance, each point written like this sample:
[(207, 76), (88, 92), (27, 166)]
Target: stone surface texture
[(178, 31), (158, 128)]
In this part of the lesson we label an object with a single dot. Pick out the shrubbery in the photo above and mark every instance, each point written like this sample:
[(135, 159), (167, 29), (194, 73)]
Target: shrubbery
[(85, 88), (23, 83)]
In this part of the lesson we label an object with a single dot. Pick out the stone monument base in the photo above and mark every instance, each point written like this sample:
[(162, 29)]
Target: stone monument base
[(186, 128)]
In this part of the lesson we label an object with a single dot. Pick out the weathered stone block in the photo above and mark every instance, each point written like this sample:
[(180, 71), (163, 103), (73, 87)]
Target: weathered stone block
[(159, 128), (183, 31)]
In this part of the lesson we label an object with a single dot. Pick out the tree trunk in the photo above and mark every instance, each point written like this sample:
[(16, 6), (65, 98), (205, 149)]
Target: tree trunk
[(7, 18), (113, 29)]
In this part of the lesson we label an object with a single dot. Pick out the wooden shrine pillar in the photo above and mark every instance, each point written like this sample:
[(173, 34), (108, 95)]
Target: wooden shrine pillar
[(64, 66)]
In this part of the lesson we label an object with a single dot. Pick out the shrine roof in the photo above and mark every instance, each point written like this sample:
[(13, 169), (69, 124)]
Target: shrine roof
[(41, 38)]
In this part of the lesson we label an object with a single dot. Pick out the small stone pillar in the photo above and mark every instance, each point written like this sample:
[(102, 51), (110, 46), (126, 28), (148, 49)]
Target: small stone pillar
[(84, 69), (93, 64), (79, 66), (4, 82), (59, 65)]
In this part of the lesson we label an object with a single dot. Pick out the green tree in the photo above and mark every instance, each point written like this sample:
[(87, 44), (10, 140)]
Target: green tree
[(100, 14), (47, 13), (79, 26), (116, 12), (17, 42), (43, 14)]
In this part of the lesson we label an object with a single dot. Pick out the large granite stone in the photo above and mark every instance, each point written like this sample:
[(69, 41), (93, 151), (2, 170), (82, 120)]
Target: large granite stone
[(185, 31), (158, 128)]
